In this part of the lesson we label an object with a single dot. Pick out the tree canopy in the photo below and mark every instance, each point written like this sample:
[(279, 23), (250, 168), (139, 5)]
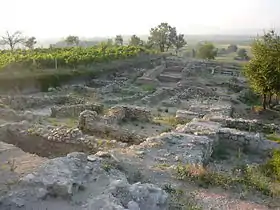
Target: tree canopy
[(135, 41), (30, 42), (263, 70), (72, 40), (12, 39), (165, 36), (207, 51), (119, 40)]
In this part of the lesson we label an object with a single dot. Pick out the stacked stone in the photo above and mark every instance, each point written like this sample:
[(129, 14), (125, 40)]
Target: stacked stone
[(74, 110)]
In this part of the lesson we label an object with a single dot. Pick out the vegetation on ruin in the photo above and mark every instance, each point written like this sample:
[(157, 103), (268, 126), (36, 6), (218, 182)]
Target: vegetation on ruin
[(264, 178)]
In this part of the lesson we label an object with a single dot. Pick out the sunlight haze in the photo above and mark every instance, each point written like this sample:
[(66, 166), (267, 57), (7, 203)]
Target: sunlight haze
[(89, 18)]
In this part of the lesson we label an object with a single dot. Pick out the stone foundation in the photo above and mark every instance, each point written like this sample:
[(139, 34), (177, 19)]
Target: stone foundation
[(75, 110), (245, 125), (90, 122)]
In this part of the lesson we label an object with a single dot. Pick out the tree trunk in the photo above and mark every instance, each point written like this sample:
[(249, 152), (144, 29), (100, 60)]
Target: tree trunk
[(264, 101), (269, 100), (161, 47)]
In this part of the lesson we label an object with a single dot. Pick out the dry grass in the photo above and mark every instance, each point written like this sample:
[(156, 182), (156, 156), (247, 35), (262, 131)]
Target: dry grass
[(263, 178)]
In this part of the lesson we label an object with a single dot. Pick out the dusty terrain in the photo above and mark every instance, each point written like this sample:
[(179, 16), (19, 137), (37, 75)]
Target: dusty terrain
[(175, 136)]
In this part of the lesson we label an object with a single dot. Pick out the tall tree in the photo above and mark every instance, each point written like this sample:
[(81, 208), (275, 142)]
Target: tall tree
[(242, 53), (207, 51), (30, 43), (179, 42), (232, 48), (263, 70), (119, 40), (12, 39), (161, 36), (72, 40), (135, 41)]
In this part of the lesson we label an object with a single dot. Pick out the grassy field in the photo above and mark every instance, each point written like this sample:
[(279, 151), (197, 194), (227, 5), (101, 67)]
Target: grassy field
[(227, 58)]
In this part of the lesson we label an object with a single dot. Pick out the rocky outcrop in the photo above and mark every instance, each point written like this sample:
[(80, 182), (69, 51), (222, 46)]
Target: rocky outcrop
[(174, 147), (87, 181), (74, 110)]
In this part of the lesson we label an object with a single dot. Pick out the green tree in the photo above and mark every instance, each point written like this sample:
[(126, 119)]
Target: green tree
[(207, 51), (30, 43), (119, 40), (263, 70), (242, 53), (135, 41), (72, 40), (161, 36), (12, 39), (179, 42), (232, 48)]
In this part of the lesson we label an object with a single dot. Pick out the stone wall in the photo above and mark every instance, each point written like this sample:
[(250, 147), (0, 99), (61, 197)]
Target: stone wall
[(21, 102), (91, 123), (245, 125), (246, 141), (120, 113), (74, 110), (229, 138), (183, 115)]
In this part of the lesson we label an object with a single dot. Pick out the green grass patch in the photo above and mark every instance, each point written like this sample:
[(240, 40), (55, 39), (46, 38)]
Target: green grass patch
[(149, 88), (273, 137), (169, 120)]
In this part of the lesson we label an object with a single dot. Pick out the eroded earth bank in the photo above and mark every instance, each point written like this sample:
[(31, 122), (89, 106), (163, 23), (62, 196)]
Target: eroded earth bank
[(178, 135)]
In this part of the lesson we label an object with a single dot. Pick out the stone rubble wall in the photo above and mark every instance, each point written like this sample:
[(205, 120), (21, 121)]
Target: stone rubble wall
[(171, 68), (157, 96), (22, 102), (183, 115), (90, 122), (246, 141), (231, 138), (74, 110), (245, 125), (119, 113), (174, 147), (13, 116)]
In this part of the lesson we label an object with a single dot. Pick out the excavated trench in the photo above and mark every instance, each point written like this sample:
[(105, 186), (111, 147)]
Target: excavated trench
[(41, 146)]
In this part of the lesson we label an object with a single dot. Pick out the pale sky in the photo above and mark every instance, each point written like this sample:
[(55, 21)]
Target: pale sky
[(91, 18)]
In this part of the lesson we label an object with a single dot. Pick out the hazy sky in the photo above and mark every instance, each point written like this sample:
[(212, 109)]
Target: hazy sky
[(90, 18)]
